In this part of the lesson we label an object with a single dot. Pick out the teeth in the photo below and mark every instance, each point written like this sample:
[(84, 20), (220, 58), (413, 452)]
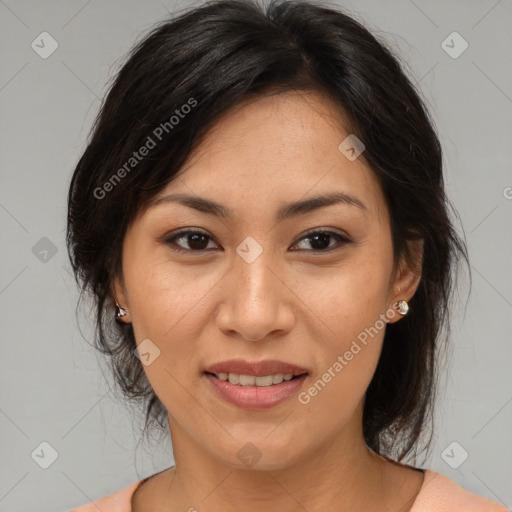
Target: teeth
[(246, 380), (277, 378), (233, 378), (252, 380), (266, 380)]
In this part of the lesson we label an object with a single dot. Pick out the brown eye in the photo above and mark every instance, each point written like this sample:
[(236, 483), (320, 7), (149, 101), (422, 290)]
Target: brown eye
[(197, 241), (321, 240)]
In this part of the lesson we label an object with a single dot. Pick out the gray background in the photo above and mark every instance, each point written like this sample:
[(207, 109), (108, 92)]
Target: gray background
[(53, 388)]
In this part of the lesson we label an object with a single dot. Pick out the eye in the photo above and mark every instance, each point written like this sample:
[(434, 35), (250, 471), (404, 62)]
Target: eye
[(198, 241), (320, 240)]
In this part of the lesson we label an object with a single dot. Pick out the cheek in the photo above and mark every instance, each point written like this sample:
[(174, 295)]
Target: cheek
[(163, 297), (347, 360), (348, 299), (168, 307), (350, 304), (171, 308)]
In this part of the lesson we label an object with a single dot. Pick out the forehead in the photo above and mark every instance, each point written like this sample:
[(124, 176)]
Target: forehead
[(275, 149)]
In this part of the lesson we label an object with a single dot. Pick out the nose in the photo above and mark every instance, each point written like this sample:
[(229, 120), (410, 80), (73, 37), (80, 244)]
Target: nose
[(257, 301)]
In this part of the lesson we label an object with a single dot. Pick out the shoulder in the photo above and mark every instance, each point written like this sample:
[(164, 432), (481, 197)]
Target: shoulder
[(440, 494), (119, 501)]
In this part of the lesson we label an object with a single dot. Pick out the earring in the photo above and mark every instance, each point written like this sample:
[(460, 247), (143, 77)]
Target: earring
[(402, 307), (120, 312)]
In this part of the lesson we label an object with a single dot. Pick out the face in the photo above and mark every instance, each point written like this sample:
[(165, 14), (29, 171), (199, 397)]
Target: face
[(262, 288)]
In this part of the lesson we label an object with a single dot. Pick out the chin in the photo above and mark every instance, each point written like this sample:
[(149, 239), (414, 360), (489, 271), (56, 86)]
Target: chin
[(261, 454)]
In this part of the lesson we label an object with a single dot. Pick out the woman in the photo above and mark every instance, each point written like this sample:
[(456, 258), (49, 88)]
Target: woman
[(293, 374)]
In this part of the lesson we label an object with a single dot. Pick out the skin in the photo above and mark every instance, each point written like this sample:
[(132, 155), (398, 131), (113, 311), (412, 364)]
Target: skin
[(296, 306)]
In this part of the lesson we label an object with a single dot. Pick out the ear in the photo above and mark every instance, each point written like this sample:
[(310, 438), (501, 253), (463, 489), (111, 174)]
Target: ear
[(407, 275), (119, 295)]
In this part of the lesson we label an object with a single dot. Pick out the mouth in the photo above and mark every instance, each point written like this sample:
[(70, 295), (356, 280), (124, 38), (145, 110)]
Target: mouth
[(255, 386)]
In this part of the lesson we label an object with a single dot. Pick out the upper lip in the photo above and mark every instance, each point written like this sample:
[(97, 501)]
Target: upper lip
[(256, 368)]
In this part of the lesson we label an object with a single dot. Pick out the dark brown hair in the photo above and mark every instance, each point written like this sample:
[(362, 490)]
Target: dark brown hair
[(177, 81)]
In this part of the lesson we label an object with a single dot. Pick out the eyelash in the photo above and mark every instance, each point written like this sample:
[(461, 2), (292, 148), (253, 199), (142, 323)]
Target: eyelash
[(183, 234)]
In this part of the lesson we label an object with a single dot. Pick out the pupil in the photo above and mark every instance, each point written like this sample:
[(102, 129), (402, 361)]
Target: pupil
[(320, 236), (194, 244)]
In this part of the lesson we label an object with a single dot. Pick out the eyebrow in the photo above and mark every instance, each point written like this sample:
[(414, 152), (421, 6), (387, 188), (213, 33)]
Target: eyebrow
[(285, 212)]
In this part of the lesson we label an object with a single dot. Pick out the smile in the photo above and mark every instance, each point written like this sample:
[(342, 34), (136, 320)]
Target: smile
[(254, 392)]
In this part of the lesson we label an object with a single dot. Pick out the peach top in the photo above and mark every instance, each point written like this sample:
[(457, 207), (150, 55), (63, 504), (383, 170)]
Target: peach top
[(437, 494)]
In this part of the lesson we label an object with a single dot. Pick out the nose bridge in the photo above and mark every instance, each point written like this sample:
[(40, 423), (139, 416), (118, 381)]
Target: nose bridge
[(255, 282)]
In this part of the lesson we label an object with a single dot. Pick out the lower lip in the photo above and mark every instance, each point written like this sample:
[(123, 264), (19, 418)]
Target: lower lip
[(255, 397)]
